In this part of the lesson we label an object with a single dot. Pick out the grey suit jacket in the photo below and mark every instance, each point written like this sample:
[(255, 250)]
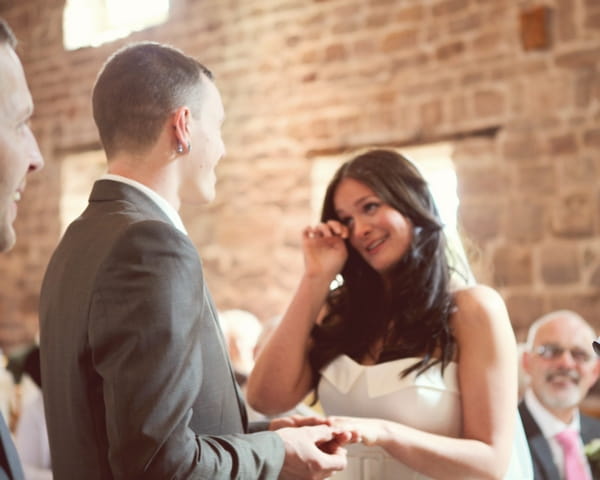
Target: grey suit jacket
[(544, 467), (137, 379)]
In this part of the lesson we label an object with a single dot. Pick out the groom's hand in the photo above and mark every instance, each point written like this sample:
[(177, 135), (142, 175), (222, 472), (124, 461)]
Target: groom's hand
[(313, 452)]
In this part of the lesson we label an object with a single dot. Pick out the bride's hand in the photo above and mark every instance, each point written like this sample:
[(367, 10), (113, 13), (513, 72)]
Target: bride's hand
[(371, 431), (324, 248)]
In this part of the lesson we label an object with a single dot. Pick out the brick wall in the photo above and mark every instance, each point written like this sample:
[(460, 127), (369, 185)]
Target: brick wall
[(515, 86)]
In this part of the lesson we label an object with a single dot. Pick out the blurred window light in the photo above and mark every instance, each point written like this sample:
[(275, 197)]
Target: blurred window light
[(94, 22)]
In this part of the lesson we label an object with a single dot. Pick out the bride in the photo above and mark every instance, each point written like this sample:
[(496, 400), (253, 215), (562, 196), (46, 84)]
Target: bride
[(424, 371)]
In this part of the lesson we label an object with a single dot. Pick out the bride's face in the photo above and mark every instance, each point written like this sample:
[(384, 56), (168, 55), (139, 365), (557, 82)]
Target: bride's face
[(379, 233)]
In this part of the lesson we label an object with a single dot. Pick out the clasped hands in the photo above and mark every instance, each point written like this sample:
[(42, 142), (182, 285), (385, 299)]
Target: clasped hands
[(314, 446)]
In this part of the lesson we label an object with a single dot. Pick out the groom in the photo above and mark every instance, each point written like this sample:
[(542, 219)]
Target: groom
[(137, 381)]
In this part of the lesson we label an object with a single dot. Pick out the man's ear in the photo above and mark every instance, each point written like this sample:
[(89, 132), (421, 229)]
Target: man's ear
[(181, 118)]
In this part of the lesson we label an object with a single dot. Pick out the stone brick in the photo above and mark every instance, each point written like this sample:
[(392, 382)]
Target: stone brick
[(377, 19), (563, 144), (459, 111), (482, 181), (410, 14), (595, 278), (527, 220), (335, 53), (344, 24), (565, 20), (579, 58), (524, 309), (489, 43), (591, 138), (431, 114), (592, 21), (573, 215), (474, 150), (399, 40), (520, 148), (535, 28), (480, 221), (449, 7), (585, 304), (559, 264), (591, 5), (577, 171), (450, 51), (464, 24), (585, 82), (411, 61), (513, 265), (489, 103), (537, 179)]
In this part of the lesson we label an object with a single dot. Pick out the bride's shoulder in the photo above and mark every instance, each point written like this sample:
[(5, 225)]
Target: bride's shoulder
[(477, 303), (477, 296)]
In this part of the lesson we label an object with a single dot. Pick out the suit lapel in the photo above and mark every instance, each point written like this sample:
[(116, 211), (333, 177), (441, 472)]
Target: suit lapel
[(590, 429), (9, 459), (543, 462)]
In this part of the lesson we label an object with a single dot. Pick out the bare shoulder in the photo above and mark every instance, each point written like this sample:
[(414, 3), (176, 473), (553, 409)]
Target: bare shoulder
[(478, 307), (478, 297)]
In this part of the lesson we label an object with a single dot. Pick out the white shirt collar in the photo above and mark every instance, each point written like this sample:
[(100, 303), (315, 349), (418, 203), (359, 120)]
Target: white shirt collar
[(548, 423), (165, 206)]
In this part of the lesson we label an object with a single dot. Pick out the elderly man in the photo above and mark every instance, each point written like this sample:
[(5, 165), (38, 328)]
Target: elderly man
[(19, 155), (562, 367)]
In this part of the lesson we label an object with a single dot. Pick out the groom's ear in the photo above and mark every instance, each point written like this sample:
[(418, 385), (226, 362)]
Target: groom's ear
[(180, 122)]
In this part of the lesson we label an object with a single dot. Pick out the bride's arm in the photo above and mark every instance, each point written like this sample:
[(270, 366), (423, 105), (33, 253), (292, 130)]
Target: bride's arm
[(487, 371), (281, 376)]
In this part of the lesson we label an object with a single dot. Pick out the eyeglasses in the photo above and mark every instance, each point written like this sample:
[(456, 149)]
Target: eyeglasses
[(551, 351)]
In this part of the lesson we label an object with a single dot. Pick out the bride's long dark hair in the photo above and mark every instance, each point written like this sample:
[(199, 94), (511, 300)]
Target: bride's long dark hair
[(413, 315)]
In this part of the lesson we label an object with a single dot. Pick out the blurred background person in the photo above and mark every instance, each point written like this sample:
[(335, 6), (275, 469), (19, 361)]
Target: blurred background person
[(19, 155), (31, 436), (242, 330), (561, 366)]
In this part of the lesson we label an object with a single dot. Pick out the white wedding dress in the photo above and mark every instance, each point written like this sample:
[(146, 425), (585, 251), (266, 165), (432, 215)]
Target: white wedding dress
[(428, 402)]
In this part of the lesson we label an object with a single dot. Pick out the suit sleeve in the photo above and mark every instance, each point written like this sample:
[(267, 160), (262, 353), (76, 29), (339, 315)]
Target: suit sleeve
[(145, 338)]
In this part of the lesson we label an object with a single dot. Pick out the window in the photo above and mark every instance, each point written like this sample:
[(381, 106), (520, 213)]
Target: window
[(93, 22)]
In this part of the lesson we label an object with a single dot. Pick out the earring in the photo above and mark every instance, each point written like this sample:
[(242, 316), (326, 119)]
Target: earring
[(189, 146), (179, 148)]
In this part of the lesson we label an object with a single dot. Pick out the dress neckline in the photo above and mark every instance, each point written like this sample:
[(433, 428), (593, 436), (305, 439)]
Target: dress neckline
[(388, 362)]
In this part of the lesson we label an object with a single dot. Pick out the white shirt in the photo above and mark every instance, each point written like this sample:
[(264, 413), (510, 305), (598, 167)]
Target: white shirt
[(31, 441), (165, 206), (552, 426)]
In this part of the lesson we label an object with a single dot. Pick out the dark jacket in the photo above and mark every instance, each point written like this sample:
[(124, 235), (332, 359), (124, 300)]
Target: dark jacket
[(544, 467), (137, 379)]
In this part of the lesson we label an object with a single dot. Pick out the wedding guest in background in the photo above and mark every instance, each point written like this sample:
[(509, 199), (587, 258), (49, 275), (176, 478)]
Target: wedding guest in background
[(301, 408), (31, 436), (19, 155), (411, 362), (241, 330), (137, 380), (562, 367)]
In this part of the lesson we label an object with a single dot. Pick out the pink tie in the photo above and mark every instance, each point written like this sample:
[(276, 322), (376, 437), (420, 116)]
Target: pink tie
[(574, 469)]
